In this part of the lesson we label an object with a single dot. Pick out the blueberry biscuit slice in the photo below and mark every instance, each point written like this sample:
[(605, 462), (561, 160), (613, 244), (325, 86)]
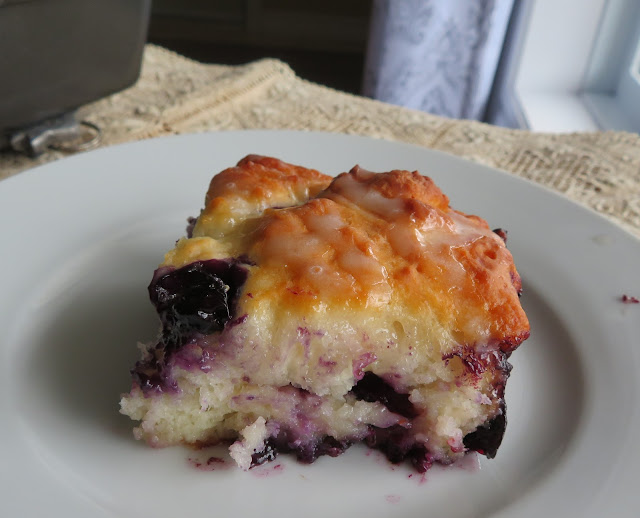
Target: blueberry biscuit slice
[(304, 313)]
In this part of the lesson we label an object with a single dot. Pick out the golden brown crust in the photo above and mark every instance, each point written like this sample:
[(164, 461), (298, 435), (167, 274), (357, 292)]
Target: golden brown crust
[(364, 240), (259, 179), (239, 194), (393, 185), (359, 303)]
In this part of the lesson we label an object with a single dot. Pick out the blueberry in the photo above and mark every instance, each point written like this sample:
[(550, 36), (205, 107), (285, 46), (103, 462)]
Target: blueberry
[(306, 451), (502, 233), (487, 439), (372, 388), (196, 299), (191, 224)]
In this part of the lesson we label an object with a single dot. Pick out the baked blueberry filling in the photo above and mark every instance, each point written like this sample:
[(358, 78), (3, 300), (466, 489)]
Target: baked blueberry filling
[(197, 299), (486, 439), (396, 442), (284, 361), (306, 452), (398, 445), (372, 388)]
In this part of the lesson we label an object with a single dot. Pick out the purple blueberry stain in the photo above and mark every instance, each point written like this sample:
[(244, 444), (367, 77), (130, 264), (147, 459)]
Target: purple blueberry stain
[(329, 365), (477, 363), (240, 320), (192, 356), (209, 464), (270, 471), (360, 363), (305, 338)]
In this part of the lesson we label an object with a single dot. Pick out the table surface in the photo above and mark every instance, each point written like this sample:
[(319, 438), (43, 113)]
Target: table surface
[(176, 95)]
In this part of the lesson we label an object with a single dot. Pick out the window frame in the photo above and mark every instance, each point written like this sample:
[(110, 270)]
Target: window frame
[(612, 81), (554, 84)]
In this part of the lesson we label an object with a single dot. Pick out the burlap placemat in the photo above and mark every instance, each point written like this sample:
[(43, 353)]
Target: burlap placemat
[(177, 95)]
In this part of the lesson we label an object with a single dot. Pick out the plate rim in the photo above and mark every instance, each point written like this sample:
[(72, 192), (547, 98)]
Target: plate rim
[(37, 171)]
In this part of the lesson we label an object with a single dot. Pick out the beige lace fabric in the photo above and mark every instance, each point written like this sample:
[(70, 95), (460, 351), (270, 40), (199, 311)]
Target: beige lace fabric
[(176, 95)]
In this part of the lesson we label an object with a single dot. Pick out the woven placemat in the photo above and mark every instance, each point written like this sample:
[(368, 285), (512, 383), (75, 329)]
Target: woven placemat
[(176, 95)]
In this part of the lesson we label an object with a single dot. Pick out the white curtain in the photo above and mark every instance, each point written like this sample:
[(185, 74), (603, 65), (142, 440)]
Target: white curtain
[(439, 56)]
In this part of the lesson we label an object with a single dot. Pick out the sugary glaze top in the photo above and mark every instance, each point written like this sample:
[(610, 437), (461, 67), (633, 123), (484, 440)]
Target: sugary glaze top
[(364, 242)]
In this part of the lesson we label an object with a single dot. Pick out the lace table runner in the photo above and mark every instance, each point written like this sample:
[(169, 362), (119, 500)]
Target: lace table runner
[(176, 95)]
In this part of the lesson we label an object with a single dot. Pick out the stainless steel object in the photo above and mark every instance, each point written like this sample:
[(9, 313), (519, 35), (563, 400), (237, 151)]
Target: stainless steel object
[(63, 133)]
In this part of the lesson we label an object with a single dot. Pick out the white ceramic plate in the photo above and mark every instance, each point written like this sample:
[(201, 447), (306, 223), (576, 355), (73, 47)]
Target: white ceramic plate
[(80, 238)]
